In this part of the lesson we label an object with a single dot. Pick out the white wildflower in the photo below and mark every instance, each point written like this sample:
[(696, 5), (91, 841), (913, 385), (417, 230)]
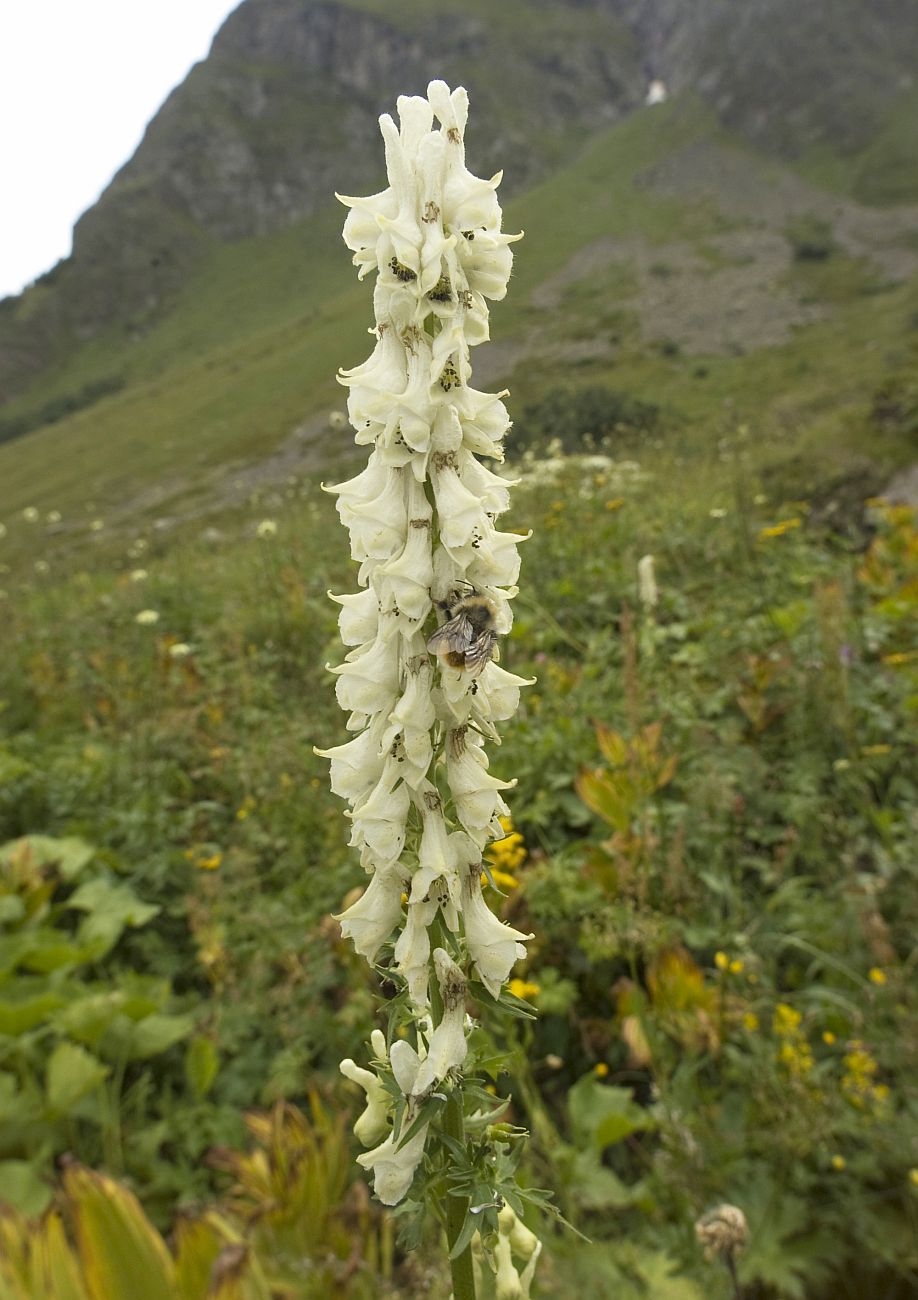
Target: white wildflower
[(647, 583), (147, 617), (421, 516)]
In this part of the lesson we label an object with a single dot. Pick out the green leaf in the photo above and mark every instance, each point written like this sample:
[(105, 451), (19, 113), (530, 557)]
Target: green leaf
[(122, 1254), (155, 1034), (70, 1074), (470, 1226), (19, 1016), (201, 1066), (89, 1017), (12, 909), (68, 855), (602, 1116), (595, 1187), (22, 1187), (110, 908)]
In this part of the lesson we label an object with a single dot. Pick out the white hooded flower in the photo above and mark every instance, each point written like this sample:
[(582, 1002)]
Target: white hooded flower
[(357, 765), (493, 945), (447, 1047), (369, 922), (373, 1123), (412, 952), (379, 819), (421, 518), (394, 1163), (368, 679), (358, 621), (475, 791)]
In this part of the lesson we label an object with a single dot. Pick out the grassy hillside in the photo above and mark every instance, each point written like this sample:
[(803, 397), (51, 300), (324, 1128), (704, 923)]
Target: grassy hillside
[(612, 269)]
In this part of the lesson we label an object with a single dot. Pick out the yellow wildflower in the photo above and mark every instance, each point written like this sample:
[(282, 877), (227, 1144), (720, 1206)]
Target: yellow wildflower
[(900, 657), (786, 1020), (876, 975), (779, 529), (751, 1021), (828, 1037), (525, 989), (210, 863), (615, 504), (838, 1162), (506, 855), (721, 960), (600, 1069), (913, 1177), (502, 879), (736, 966)]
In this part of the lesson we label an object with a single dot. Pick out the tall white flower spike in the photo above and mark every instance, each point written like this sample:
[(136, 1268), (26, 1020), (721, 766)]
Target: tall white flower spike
[(421, 515)]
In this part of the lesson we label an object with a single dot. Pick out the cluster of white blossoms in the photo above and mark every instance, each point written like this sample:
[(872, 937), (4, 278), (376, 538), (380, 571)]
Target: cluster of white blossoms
[(422, 522)]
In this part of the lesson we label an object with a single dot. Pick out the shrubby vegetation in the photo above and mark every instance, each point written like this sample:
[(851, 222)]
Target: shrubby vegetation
[(584, 419), (713, 842)]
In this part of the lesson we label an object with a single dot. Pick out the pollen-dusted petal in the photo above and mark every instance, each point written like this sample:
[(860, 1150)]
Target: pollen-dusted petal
[(498, 696), (450, 106), (460, 511), (403, 583), (369, 922)]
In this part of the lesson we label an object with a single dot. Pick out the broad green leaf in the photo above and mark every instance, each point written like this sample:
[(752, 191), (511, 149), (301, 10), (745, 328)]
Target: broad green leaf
[(55, 1268), (156, 1034), (12, 909), (121, 1253), (18, 1106), (606, 800), (595, 1187), (22, 1187), (68, 855), (201, 1066), (19, 1016), (197, 1245), (110, 908), (47, 950), (70, 1074), (89, 1017), (602, 1116)]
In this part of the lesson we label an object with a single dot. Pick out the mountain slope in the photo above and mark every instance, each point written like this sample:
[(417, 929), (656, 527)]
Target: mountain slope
[(283, 111)]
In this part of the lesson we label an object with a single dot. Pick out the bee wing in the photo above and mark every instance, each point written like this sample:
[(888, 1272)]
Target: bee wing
[(458, 634), (480, 653)]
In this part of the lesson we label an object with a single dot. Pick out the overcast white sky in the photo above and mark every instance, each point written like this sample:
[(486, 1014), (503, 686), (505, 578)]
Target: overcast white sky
[(79, 80)]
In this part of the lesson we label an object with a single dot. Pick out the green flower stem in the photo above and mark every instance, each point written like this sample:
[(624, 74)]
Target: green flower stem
[(456, 1208)]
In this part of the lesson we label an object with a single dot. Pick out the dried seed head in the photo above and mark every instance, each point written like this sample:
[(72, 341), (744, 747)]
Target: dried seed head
[(722, 1231)]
